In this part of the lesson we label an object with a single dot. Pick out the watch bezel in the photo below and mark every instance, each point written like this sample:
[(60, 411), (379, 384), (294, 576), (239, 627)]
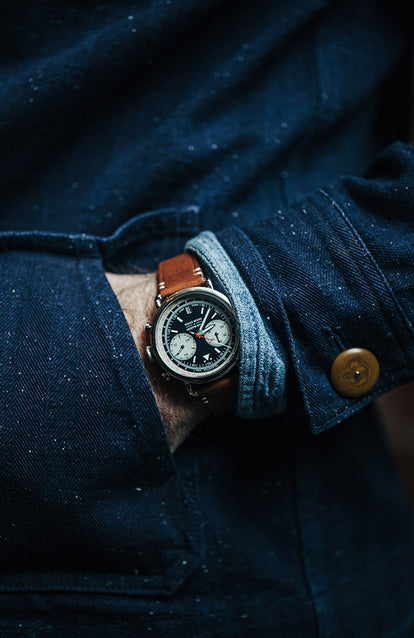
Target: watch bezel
[(191, 377)]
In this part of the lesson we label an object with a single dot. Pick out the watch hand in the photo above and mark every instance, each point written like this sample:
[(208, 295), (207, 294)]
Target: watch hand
[(197, 334), (204, 320), (220, 345)]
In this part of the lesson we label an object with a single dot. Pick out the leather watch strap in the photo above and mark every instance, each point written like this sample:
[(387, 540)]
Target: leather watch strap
[(221, 395), (182, 271)]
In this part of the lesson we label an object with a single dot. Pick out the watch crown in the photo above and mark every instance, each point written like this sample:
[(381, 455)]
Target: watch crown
[(147, 327), (150, 354)]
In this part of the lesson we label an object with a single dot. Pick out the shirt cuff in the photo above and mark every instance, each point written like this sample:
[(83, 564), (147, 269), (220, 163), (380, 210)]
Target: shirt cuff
[(263, 364)]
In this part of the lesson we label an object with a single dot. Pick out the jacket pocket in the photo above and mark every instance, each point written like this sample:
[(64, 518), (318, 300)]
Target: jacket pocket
[(91, 497)]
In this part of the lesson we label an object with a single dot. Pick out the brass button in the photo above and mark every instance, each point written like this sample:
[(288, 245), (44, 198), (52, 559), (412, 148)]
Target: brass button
[(354, 372)]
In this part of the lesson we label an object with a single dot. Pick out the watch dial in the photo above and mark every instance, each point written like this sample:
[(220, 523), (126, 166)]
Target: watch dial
[(195, 335), (183, 346)]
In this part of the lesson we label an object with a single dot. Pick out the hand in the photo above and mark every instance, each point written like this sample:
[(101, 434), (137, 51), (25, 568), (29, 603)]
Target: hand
[(180, 412)]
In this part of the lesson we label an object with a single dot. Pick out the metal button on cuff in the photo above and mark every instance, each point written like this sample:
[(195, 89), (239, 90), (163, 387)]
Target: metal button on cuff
[(354, 372)]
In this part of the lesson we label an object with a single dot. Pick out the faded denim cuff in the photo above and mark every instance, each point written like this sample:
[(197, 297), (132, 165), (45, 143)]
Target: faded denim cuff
[(262, 367)]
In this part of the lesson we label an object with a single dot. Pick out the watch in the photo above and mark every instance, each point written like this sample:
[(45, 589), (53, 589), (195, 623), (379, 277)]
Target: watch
[(194, 335)]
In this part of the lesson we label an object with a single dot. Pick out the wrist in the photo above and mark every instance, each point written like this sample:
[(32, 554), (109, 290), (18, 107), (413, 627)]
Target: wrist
[(136, 295), (180, 412)]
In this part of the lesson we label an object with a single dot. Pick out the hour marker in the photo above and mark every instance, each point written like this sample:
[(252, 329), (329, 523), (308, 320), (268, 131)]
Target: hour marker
[(206, 356), (202, 310), (194, 359), (216, 349), (174, 330), (179, 319), (214, 315)]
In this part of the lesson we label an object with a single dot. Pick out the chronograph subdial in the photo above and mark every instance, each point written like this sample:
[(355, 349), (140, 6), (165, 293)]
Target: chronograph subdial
[(183, 346), (217, 333)]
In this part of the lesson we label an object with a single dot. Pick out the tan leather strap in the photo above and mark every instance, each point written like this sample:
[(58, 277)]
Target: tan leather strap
[(221, 395), (182, 271)]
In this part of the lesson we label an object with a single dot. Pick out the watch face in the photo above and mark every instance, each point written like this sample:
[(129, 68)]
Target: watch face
[(195, 336)]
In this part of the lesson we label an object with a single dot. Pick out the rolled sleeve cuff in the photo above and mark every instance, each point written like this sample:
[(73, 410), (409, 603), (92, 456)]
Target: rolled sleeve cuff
[(262, 366)]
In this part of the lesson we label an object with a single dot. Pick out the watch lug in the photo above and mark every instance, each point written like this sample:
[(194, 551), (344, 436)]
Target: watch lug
[(150, 354), (158, 300), (148, 327)]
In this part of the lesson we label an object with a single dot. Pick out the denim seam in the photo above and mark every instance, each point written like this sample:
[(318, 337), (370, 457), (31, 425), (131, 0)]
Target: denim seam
[(380, 273), (121, 238), (70, 244), (125, 383)]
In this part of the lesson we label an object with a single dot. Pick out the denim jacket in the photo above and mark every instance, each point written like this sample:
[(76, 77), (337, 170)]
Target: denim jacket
[(267, 137)]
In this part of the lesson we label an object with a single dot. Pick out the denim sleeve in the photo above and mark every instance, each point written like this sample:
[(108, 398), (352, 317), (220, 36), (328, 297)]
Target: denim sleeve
[(330, 272)]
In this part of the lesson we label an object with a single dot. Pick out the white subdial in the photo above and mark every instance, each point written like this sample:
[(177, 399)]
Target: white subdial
[(183, 346), (217, 333)]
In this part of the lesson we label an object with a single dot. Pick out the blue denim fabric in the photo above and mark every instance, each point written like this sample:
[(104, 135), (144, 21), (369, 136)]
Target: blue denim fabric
[(262, 368), (325, 291), (98, 457), (126, 130)]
